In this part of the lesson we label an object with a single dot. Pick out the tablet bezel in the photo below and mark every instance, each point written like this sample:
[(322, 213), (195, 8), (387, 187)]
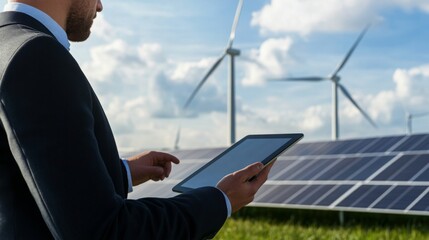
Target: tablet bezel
[(294, 138)]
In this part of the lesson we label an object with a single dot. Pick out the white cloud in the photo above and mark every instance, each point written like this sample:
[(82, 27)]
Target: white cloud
[(314, 118), (411, 4), (152, 54), (382, 107), (307, 16), (139, 89), (412, 87), (117, 69), (107, 59), (272, 56), (102, 28), (191, 71), (105, 31)]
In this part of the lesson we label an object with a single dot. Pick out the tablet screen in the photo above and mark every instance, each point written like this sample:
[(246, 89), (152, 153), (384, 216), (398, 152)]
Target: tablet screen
[(251, 149)]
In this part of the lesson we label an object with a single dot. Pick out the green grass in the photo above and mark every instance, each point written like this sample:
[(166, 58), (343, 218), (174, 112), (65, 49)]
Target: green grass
[(263, 223)]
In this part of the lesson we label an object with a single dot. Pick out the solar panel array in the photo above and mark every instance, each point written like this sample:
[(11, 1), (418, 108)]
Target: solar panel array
[(385, 175)]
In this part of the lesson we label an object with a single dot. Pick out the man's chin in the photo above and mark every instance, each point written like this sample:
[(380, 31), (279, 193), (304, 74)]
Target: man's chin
[(78, 37)]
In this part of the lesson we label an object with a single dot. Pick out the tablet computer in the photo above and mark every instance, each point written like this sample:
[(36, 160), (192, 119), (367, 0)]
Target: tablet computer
[(250, 149)]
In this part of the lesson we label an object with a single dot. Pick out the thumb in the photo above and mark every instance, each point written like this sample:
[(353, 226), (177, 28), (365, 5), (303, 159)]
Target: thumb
[(249, 171)]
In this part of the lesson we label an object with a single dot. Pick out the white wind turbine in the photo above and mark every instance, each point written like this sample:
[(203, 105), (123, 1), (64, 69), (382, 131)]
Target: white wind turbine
[(232, 53), (335, 79), (409, 116)]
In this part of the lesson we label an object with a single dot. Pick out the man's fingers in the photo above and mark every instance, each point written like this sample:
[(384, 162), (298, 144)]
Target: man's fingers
[(263, 175), (239, 190), (167, 169), (151, 165), (249, 171), (165, 157), (155, 173), (164, 160)]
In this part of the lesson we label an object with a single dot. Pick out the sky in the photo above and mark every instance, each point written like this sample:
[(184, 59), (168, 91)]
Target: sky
[(145, 57)]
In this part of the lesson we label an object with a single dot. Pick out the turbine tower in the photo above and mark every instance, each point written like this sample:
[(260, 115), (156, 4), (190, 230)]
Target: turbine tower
[(335, 79), (232, 53)]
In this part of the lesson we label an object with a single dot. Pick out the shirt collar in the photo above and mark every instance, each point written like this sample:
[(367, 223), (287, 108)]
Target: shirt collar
[(42, 17)]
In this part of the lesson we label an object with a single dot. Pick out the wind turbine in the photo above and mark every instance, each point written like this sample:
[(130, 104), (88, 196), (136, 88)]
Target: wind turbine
[(232, 53), (410, 116), (335, 79)]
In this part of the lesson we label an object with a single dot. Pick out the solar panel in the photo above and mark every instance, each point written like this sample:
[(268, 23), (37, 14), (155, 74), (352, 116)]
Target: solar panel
[(381, 175)]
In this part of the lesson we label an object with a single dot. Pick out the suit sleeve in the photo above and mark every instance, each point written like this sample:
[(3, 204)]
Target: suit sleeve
[(46, 107)]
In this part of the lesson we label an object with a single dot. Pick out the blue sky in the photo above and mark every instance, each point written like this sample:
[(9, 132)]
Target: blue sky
[(145, 57)]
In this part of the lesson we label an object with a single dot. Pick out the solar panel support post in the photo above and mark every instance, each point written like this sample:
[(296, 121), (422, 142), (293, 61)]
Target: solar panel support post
[(341, 217)]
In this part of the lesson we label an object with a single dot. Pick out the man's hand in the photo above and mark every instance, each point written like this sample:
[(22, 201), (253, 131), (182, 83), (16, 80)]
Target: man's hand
[(238, 189), (150, 166)]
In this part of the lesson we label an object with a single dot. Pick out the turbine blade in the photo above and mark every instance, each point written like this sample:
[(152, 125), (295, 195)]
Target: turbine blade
[(311, 79), (346, 58), (235, 23), (215, 65), (421, 114), (349, 96), (253, 61)]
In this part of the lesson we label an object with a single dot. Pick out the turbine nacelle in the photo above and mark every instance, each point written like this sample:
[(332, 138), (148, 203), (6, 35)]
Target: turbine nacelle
[(233, 51), (335, 78)]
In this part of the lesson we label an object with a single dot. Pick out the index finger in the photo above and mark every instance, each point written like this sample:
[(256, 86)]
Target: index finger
[(167, 163), (165, 157), (164, 160)]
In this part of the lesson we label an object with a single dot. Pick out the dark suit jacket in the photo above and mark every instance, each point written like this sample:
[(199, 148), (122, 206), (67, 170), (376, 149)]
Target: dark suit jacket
[(60, 173)]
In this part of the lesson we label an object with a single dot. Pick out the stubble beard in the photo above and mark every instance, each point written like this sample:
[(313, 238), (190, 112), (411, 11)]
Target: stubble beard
[(78, 26)]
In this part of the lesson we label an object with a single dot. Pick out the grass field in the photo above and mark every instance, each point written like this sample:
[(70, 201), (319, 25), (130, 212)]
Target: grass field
[(264, 223)]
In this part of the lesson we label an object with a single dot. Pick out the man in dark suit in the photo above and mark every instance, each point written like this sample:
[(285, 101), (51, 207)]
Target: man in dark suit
[(61, 176)]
